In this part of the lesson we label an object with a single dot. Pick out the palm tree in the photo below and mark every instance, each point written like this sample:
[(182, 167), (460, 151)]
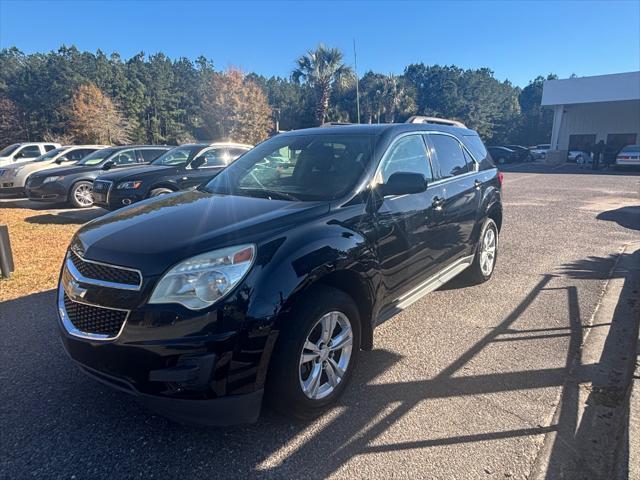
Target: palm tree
[(322, 68)]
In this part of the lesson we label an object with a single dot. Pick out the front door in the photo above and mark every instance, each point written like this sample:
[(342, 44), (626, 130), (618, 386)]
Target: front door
[(404, 222)]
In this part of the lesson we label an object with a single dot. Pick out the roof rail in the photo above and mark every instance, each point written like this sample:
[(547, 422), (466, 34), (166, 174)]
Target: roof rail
[(436, 120), (333, 124)]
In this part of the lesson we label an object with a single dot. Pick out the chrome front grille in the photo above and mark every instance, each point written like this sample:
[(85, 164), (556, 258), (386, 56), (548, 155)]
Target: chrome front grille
[(85, 319), (94, 320), (104, 275)]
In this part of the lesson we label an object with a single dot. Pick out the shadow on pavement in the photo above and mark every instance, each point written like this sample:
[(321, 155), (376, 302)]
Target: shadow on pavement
[(564, 168), (627, 217), (61, 423), (67, 217)]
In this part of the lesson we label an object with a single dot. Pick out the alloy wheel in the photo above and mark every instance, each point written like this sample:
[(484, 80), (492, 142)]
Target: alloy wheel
[(488, 251), (326, 355), (83, 195)]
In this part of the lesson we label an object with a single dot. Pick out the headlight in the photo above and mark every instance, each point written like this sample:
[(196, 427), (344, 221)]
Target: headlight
[(129, 185), (200, 281), (53, 179)]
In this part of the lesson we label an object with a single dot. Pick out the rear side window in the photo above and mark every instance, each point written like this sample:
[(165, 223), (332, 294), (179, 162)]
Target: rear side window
[(150, 154), (475, 146), (49, 147), (449, 155), (235, 153), (408, 155)]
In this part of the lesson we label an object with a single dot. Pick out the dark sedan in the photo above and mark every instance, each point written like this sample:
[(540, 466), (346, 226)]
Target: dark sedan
[(181, 168), (524, 154), (502, 155), (74, 183)]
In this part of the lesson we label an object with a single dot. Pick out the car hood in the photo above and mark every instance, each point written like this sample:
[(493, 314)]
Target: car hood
[(154, 234), (68, 170), (137, 172)]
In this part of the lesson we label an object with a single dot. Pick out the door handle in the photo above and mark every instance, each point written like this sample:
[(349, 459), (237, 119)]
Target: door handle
[(437, 203), (478, 184)]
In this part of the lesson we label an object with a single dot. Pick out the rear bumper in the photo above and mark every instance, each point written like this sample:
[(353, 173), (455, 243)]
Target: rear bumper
[(12, 191)]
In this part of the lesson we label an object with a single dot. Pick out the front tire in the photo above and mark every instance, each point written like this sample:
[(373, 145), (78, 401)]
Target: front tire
[(484, 261), (156, 192), (80, 195), (315, 355)]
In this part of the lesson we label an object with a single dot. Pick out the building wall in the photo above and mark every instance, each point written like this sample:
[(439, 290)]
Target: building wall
[(599, 118)]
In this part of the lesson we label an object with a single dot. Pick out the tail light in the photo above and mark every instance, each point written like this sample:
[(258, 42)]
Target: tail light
[(500, 178)]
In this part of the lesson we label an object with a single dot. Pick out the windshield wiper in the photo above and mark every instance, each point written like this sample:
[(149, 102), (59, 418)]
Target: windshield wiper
[(270, 194)]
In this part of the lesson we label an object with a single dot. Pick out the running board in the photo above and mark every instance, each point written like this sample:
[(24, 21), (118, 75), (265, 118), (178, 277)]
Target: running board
[(429, 285)]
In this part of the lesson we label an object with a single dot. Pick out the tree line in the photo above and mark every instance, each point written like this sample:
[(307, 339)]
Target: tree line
[(73, 96)]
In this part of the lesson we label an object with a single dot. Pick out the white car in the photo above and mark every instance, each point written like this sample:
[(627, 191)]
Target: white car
[(629, 156), (579, 156), (14, 177), (540, 151), (23, 152)]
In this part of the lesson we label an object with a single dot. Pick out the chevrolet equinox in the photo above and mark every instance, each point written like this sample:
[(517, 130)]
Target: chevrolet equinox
[(270, 279)]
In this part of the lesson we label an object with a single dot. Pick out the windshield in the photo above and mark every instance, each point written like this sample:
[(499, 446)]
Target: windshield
[(97, 156), (178, 156), (297, 167), (9, 150), (49, 155)]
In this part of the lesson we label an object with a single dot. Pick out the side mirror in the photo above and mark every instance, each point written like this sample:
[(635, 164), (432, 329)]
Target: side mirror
[(61, 160), (198, 162), (404, 183), (107, 165)]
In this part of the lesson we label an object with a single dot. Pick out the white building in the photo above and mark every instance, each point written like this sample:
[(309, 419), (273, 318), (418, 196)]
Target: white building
[(590, 109)]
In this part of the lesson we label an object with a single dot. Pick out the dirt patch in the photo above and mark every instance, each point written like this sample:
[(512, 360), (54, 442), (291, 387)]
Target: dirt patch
[(38, 248)]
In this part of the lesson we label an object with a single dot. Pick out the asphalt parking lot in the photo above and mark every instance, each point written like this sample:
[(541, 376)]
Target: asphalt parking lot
[(464, 384)]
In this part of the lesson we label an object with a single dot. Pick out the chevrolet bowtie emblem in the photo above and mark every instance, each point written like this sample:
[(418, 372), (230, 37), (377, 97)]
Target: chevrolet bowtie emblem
[(75, 290)]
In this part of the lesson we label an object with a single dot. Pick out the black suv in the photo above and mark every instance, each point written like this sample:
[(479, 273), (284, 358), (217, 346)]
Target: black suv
[(178, 169), (73, 183), (272, 276)]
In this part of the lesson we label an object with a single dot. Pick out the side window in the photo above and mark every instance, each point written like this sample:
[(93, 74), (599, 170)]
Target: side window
[(126, 157), (475, 146), (234, 153), (449, 155), (48, 148), (408, 155), (79, 154), (216, 157), (471, 164), (150, 154), (32, 151)]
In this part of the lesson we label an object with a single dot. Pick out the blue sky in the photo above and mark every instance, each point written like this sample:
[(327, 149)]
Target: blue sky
[(517, 40)]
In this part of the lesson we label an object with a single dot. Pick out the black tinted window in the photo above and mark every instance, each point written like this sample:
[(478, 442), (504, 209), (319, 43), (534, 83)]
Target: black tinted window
[(74, 155), (126, 157), (48, 148), (150, 154), (216, 157), (451, 161)]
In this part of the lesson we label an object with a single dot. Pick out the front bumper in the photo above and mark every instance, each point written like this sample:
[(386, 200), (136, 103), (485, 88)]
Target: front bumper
[(114, 198), (193, 367), (46, 192)]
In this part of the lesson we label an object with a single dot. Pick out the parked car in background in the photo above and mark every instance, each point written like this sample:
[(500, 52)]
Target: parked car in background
[(524, 154), (502, 155), (73, 183), (22, 152), (183, 167), (579, 156), (629, 156), (539, 152), (199, 302), (14, 177)]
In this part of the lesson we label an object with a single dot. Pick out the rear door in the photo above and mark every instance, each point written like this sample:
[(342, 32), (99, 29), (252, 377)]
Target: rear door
[(457, 172), (148, 155)]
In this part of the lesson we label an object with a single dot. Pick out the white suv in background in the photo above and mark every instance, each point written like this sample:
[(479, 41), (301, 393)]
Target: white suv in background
[(629, 156), (539, 152), (14, 177), (22, 152)]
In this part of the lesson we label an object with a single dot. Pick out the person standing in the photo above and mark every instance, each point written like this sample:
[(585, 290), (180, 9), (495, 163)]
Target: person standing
[(598, 149)]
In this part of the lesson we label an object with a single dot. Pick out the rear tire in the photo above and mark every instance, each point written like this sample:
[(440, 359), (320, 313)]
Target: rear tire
[(80, 195), (307, 349), (156, 192), (484, 261)]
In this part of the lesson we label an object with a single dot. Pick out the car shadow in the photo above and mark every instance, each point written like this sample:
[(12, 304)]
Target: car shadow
[(627, 217), (67, 217), (62, 423), (565, 168)]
